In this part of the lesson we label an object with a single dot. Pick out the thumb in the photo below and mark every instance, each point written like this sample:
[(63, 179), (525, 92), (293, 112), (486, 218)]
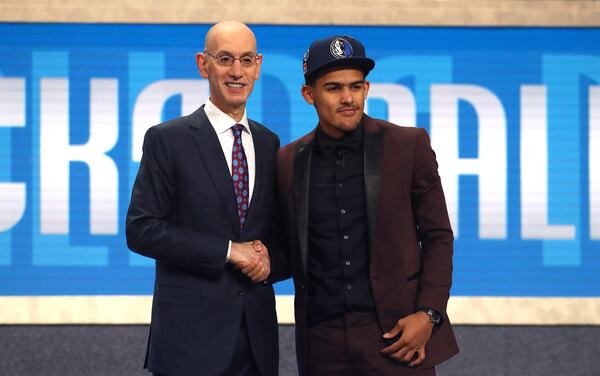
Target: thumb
[(395, 330)]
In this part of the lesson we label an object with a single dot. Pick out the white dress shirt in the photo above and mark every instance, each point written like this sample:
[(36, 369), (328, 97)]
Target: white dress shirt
[(222, 123)]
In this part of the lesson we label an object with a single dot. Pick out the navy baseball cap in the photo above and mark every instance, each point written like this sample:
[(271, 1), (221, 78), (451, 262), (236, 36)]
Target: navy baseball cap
[(335, 51)]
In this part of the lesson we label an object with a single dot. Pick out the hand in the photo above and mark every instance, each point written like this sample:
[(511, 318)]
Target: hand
[(254, 262), (416, 330), (263, 268)]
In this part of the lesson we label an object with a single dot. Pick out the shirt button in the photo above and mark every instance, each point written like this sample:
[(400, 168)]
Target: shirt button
[(343, 211), (347, 263), (346, 237), (340, 185), (348, 287)]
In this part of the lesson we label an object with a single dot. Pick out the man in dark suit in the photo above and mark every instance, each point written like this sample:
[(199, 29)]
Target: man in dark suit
[(202, 194), (369, 243)]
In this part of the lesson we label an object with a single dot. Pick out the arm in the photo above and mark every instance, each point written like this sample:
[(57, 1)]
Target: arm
[(279, 235), (433, 229), (280, 268), (435, 235), (148, 229)]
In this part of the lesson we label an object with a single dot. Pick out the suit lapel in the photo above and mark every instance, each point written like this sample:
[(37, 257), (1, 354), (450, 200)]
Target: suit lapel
[(210, 150), (260, 162), (300, 191), (373, 151)]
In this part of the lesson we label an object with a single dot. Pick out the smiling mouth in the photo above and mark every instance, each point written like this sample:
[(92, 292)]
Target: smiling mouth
[(235, 85)]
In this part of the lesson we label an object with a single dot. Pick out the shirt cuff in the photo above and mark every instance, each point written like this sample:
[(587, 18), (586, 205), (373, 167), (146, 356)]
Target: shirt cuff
[(228, 252)]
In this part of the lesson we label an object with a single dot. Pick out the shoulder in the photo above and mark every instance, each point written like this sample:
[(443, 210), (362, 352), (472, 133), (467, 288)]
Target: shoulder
[(178, 127), (396, 129), (292, 147), (261, 130), (395, 132)]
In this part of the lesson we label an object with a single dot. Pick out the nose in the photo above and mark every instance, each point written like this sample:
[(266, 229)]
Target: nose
[(236, 69), (346, 96)]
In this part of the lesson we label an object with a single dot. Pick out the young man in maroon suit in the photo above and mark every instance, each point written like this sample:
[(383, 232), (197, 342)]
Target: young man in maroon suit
[(369, 243)]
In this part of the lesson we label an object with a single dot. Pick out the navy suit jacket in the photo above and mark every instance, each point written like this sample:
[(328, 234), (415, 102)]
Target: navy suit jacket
[(182, 214)]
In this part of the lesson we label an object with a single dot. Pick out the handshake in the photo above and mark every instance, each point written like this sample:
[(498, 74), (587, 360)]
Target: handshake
[(252, 258)]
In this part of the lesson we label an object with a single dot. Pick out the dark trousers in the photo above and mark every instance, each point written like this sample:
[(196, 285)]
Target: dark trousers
[(242, 363), (350, 345)]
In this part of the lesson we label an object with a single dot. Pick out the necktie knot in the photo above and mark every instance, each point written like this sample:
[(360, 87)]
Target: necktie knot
[(237, 130)]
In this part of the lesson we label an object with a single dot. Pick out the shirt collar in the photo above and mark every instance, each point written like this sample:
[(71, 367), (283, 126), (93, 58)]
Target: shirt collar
[(222, 122), (352, 141)]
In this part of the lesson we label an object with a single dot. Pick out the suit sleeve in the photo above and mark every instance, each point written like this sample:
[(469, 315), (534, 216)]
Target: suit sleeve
[(148, 229), (280, 268), (279, 259), (433, 228)]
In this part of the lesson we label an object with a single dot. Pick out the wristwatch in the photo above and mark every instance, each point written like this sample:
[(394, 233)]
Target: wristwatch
[(434, 317)]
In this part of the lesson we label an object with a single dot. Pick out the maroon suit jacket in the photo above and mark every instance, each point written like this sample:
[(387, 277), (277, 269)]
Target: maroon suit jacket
[(409, 230)]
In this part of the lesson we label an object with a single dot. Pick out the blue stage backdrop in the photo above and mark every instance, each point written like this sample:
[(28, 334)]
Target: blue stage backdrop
[(513, 114)]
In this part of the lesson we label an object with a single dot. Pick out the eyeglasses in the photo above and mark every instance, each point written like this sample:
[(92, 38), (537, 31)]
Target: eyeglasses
[(227, 61)]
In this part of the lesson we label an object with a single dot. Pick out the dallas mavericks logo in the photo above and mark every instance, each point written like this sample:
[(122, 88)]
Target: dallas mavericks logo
[(340, 48)]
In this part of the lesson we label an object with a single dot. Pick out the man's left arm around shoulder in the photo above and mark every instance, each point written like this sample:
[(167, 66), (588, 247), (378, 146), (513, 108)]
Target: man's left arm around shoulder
[(435, 236)]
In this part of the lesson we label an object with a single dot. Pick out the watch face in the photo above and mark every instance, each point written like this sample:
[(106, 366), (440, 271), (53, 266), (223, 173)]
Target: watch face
[(434, 317)]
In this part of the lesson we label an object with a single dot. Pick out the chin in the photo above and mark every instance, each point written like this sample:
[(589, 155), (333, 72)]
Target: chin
[(349, 127), (237, 100)]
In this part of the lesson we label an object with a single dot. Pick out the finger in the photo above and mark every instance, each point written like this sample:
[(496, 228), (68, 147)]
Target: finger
[(401, 355), (266, 262), (256, 270), (420, 357), (409, 356), (395, 347), (262, 250), (247, 270), (266, 272), (259, 277), (249, 266)]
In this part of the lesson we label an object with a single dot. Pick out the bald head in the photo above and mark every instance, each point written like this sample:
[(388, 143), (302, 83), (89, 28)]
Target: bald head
[(230, 81), (227, 30)]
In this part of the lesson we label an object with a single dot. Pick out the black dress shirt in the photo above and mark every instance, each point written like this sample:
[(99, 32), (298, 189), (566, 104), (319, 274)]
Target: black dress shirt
[(338, 255)]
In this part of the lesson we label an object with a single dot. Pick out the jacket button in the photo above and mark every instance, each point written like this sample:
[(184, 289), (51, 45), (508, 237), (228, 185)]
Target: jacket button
[(241, 293)]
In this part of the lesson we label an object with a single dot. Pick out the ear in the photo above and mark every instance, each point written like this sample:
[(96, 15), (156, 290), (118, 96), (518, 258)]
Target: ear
[(259, 60), (201, 63), (307, 94), (366, 86)]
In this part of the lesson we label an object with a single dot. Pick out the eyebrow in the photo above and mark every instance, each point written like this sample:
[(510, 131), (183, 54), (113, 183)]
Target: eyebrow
[(342, 84), (225, 52)]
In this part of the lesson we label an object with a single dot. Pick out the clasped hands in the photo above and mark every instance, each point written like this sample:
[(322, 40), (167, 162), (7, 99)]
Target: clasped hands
[(252, 258)]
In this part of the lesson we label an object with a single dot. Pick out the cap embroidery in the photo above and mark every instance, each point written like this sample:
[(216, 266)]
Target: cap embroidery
[(305, 61), (340, 48)]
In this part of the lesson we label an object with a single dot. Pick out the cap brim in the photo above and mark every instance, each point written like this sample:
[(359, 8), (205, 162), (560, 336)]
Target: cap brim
[(363, 63)]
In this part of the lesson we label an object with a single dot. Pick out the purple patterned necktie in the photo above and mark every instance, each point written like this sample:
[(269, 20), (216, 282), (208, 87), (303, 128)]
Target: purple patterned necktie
[(239, 173)]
